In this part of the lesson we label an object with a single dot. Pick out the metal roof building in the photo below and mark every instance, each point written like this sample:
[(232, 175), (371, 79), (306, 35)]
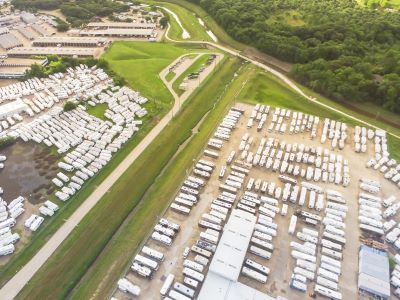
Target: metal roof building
[(373, 272), (106, 25), (9, 41), (130, 32), (222, 279), (27, 52), (69, 41), (231, 251)]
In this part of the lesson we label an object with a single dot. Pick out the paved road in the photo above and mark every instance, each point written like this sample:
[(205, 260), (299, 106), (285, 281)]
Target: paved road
[(20, 279), (278, 74)]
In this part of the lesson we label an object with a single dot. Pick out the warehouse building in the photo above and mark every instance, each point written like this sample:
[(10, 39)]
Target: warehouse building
[(12, 108), (9, 41), (127, 25), (111, 32), (32, 51), (41, 30), (28, 18), (4, 30), (373, 272), (69, 41), (25, 32), (222, 279)]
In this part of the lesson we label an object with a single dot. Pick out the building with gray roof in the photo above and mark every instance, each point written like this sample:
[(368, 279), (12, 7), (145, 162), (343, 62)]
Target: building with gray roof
[(373, 272)]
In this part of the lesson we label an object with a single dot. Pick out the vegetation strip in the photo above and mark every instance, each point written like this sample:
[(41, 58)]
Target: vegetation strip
[(160, 102), (81, 248)]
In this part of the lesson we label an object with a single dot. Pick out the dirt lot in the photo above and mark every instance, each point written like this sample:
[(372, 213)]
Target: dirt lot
[(281, 264)]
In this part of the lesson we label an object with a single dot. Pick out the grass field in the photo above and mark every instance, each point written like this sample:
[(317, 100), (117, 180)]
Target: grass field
[(73, 258), (141, 62), (191, 8), (188, 20), (169, 76), (197, 64), (98, 110)]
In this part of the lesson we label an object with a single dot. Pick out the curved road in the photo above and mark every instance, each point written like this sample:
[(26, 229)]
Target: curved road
[(278, 74)]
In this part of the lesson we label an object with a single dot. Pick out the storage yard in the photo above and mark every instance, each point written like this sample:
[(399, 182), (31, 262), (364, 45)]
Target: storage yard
[(25, 35), (297, 196), (83, 144)]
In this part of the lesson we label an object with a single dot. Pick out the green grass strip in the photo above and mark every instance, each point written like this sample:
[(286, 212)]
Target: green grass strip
[(194, 67), (74, 257)]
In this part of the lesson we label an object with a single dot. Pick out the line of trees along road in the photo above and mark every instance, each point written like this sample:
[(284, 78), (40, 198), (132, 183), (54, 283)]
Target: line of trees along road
[(341, 50)]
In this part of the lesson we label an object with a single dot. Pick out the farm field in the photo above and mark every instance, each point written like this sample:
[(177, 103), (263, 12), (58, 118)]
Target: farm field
[(74, 258)]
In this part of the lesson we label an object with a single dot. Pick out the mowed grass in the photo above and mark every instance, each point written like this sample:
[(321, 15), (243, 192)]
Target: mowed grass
[(98, 110), (170, 76), (140, 64), (138, 55), (194, 67), (267, 89), (79, 251), (196, 11), (188, 20)]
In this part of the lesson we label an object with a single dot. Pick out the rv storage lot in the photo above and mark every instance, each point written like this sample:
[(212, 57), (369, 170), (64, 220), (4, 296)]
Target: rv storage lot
[(281, 264)]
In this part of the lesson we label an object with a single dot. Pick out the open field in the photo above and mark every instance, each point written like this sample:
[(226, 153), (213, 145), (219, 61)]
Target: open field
[(74, 258), (140, 63)]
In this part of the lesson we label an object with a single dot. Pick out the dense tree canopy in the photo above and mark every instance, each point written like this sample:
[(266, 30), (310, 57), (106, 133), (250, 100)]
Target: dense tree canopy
[(344, 51)]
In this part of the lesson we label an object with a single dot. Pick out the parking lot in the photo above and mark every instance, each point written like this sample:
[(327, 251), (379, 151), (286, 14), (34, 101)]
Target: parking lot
[(281, 264)]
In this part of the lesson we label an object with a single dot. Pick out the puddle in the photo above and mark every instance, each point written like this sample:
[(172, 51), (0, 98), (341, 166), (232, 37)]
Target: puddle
[(28, 171)]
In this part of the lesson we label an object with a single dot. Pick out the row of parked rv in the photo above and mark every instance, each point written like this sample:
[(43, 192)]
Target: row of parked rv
[(311, 163), (332, 242), (370, 207), (148, 261), (212, 222), (300, 122), (9, 213), (382, 162), (2, 161), (39, 95), (335, 131), (395, 276)]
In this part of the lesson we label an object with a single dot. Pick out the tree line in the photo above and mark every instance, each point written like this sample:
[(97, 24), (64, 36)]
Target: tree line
[(76, 12), (341, 50)]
